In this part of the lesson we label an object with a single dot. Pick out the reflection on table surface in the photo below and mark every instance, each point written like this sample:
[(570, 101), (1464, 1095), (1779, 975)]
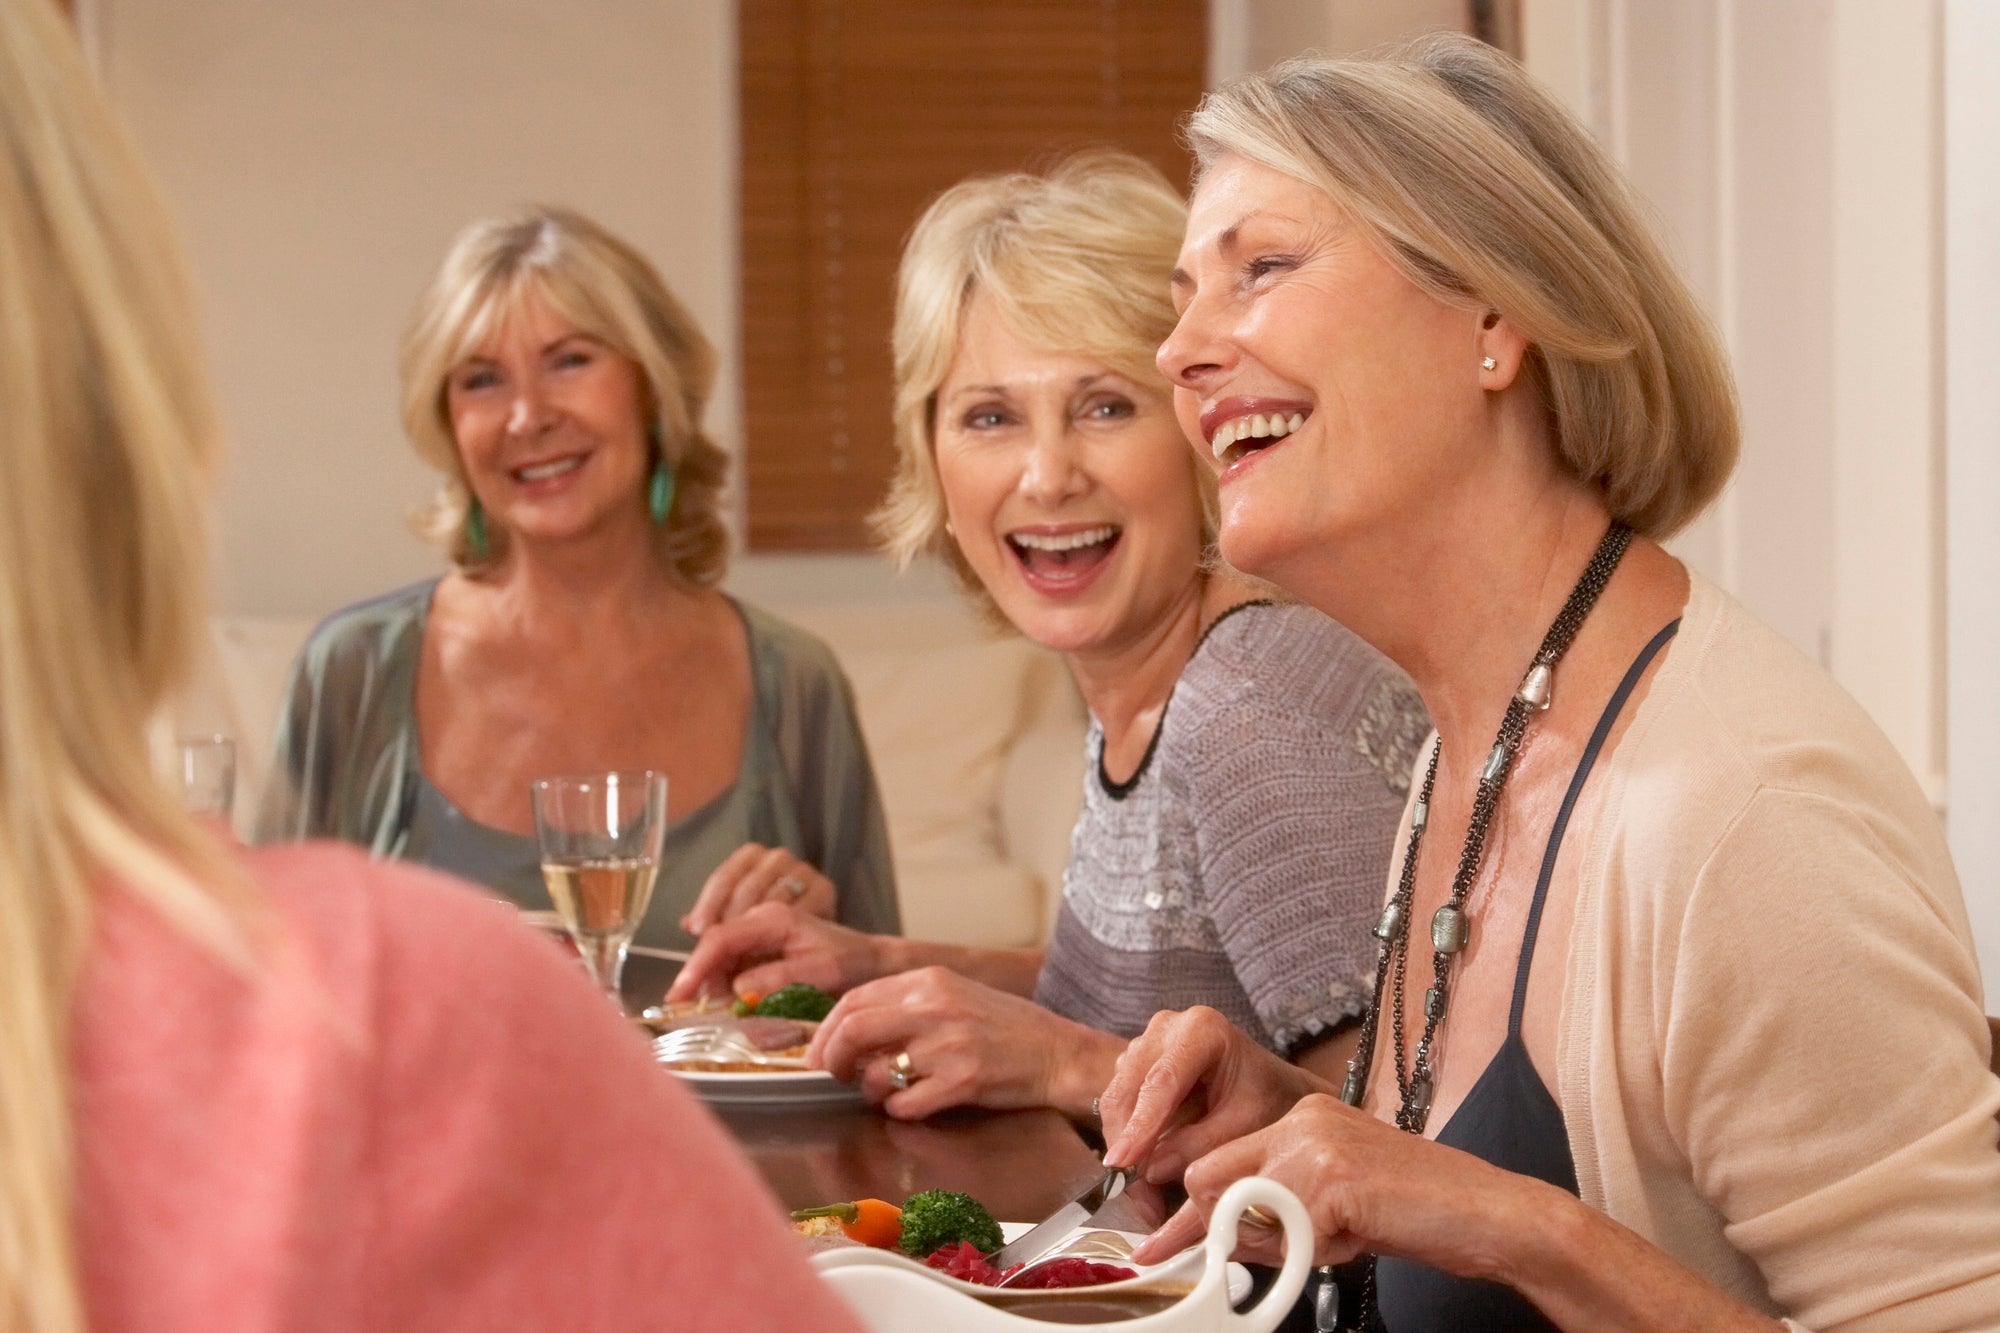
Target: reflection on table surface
[(1022, 1165), (647, 975)]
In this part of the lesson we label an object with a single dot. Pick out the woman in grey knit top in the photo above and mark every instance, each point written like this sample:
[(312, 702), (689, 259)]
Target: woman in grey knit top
[(1249, 761)]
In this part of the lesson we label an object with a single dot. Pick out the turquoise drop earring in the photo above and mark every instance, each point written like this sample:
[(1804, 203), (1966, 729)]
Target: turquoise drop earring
[(475, 530), (660, 490), (660, 493)]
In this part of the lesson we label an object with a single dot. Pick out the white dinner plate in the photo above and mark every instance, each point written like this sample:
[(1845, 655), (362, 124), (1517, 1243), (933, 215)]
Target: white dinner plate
[(772, 1088)]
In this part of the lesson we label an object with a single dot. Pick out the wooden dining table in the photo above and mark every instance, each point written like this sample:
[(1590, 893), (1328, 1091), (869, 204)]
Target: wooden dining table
[(1022, 1165)]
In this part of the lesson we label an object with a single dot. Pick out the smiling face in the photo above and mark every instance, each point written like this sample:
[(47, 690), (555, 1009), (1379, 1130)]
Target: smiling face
[(1068, 490), (549, 426), (1338, 400)]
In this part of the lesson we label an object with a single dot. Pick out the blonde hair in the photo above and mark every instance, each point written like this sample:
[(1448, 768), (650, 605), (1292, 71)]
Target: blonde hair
[(607, 289), (107, 440), (1074, 261), (1485, 192)]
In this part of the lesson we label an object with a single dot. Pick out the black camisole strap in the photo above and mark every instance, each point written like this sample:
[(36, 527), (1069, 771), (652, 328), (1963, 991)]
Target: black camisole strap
[(1583, 767), (1508, 1117)]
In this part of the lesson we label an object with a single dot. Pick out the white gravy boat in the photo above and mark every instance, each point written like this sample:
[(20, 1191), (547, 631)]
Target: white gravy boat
[(1187, 1294)]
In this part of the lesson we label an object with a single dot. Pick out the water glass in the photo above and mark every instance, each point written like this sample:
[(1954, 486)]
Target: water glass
[(600, 836)]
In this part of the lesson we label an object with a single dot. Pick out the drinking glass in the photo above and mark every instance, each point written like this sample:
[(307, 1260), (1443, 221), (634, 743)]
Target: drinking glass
[(600, 835), (205, 768)]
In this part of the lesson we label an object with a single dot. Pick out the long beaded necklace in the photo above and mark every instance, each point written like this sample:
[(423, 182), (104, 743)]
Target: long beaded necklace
[(1451, 928)]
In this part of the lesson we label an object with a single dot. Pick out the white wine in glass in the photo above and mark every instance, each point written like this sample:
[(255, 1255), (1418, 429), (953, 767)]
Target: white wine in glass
[(600, 836), (607, 897)]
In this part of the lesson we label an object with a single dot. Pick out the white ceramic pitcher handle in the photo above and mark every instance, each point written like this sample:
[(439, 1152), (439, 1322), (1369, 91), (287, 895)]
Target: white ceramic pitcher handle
[(1281, 1203)]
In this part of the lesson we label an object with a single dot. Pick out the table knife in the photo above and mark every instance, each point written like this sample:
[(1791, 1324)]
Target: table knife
[(1085, 1207)]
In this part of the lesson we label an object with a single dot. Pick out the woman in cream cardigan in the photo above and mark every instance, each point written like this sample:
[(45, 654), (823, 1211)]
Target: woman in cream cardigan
[(1678, 1022)]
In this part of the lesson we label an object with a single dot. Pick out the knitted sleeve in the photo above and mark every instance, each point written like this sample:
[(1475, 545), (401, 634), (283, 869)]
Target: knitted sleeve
[(1296, 756)]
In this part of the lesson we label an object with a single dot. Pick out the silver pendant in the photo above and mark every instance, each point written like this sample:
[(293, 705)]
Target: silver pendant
[(1538, 687), (1450, 930), (1390, 928)]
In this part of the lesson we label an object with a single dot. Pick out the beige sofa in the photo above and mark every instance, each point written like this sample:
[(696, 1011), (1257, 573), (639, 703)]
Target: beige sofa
[(977, 741)]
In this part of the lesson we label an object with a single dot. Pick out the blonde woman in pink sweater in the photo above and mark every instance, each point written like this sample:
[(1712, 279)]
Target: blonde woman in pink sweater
[(277, 1091), (1678, 1023)]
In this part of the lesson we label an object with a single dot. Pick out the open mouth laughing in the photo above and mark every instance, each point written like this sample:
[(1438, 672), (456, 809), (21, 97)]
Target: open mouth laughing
[(1049, 557), (1239, 438)]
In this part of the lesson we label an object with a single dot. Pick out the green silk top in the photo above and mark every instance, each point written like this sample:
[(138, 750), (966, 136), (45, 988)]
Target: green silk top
[(345, 765)]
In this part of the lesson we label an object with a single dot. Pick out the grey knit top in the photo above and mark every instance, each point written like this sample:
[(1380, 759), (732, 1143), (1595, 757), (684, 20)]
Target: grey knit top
[(1244, 864)]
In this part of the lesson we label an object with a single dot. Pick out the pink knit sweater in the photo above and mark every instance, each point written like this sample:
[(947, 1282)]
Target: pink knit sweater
[(425, 1119)]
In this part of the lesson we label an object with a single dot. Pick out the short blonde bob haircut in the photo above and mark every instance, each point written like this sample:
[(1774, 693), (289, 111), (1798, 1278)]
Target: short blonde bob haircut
[(108, 443), (607, 289), (1075, 261), (1486, 193)]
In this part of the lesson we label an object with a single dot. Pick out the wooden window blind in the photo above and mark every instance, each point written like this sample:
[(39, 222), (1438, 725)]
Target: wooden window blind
[(854, 115)]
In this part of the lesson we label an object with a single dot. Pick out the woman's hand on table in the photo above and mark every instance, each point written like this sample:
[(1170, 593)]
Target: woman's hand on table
[(754, 874), (1190, 1083), (1370, 1187), (1366, 1184), (775, 944), (967, 1045)]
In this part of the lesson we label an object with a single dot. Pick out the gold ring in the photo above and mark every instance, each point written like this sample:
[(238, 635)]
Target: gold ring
[(1257, 1217), (794, 887), (901, 1073)]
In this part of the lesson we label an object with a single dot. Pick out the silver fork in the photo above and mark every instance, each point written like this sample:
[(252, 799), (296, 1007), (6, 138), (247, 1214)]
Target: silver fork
[(717, 1045)]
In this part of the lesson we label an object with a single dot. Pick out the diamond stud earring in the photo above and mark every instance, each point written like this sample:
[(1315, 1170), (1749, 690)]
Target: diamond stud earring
[(1489, 364)]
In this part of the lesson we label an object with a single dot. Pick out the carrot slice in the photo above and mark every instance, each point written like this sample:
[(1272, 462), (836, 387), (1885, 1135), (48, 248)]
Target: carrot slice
[(871, 1221)]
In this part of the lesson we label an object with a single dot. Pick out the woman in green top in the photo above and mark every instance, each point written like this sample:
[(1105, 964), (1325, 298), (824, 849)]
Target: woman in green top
[(558, 386)]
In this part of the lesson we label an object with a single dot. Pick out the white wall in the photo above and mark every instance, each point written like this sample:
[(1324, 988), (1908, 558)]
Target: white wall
[(320, 154), (1250, 34), (1796, 151), (1889, 520), (1790, 149), (1972, 325)]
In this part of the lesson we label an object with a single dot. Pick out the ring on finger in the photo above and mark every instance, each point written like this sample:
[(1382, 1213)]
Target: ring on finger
[(901, 1073), (794, 887), (1257, 1217)]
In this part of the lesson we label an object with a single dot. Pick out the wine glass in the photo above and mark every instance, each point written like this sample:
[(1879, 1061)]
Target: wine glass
[(205, 770), (600, 836)]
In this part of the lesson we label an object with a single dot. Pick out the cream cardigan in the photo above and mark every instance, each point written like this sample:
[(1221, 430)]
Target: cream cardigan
[(1772, 1055)]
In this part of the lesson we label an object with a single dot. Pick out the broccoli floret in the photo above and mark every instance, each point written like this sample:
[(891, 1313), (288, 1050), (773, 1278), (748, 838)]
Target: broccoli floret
[(939, 1217), (798, 1000)]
